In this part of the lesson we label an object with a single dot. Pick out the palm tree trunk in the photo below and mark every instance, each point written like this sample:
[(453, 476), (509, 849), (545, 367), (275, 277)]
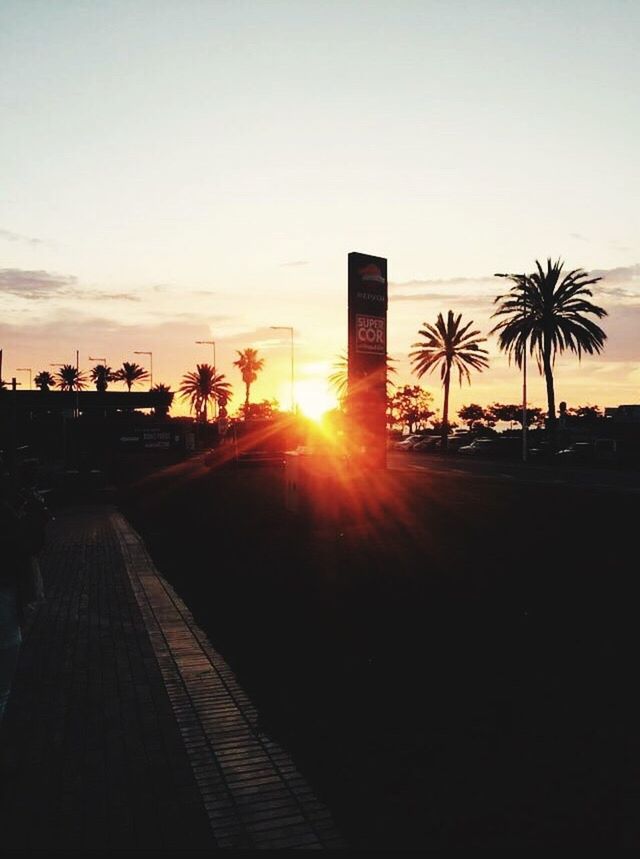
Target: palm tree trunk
[(246, 399), (445, 409), (551, 396), (204, 409)]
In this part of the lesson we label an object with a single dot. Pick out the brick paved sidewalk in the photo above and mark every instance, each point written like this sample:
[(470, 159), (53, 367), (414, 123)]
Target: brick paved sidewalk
[(130, 731)]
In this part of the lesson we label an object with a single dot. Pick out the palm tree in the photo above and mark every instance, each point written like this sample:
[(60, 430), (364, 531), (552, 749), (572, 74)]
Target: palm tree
[(249, 365), (70, 378), (447, 345), (130, 374), (202, 387), (547, 310), (44, 380), (339, 378), (101, 375), (165, 398)]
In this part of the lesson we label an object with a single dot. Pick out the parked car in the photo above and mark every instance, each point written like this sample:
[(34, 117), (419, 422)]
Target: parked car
[(427, 443), (408, 442), (578, 452), (479, 447), (542, 451), (433, 443)]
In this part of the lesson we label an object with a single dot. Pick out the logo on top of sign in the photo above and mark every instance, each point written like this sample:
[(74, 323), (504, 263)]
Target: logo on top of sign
[(370, 334), (371, 274)]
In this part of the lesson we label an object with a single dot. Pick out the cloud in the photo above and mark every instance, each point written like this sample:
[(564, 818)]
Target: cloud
[(612, 286), (616, 292), (441, 281), (578, 237), (621, 274), (448, 297), (33, 284), (294, 263), (93, 295), (39, 285), (9, 236)]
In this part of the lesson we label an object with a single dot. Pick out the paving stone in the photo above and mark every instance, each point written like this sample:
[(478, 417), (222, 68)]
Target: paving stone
[(132, 731)]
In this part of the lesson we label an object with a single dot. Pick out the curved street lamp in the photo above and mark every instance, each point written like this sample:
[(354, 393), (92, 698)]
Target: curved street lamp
[(290, 330), (25, 370), (522, 278)]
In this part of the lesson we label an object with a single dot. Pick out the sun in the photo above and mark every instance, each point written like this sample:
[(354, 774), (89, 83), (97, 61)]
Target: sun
[(314, 398)]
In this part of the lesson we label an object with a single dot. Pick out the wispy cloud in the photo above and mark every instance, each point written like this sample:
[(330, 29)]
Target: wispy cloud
[(621, 274), (97, 295), (295, 262), (616, 292), (471, 300), (440, 281), (578, 237), (33, 284), (43, 285), (10, 236)]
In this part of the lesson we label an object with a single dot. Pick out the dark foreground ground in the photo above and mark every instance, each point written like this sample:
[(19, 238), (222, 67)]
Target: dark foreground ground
[(454, 665)]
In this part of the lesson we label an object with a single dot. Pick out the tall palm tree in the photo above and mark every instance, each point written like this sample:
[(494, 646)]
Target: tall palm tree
[(250, 365), (101, 375), (44, 380), (448, 346), (546, 310), (70, 378), (202, 387), (131, 374)]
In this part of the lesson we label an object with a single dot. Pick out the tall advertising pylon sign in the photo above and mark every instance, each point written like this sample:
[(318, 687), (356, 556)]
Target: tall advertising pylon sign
[(367, 374)]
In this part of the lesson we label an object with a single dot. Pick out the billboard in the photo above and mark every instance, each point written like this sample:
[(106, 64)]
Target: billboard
[(367, 373)]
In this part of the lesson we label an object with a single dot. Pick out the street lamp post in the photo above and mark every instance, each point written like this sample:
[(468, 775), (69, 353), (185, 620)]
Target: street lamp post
[(150, 354), (524, 378), (522, 279), (211, 343), (25, 370), (290, 330)]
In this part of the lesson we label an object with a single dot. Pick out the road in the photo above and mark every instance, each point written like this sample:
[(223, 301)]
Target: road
[(457, 466), (452, 665)]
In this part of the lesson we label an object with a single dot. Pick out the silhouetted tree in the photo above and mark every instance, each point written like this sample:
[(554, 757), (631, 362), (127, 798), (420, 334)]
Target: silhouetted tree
[(471, 414), (439, 426), (101, 375), (130, 373), (512, 413), (410, 406), (448, 346), (587, 412), (203, 387), (249, 365), (259, 411), (505, 412), (44, 380), (70, 378), (165, 395), (548, 313)]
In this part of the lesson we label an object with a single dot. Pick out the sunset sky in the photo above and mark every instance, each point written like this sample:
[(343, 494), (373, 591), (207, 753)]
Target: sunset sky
[(182, 171)]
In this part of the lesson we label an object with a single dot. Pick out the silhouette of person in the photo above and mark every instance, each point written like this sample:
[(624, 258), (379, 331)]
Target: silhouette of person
[(22, 520)]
